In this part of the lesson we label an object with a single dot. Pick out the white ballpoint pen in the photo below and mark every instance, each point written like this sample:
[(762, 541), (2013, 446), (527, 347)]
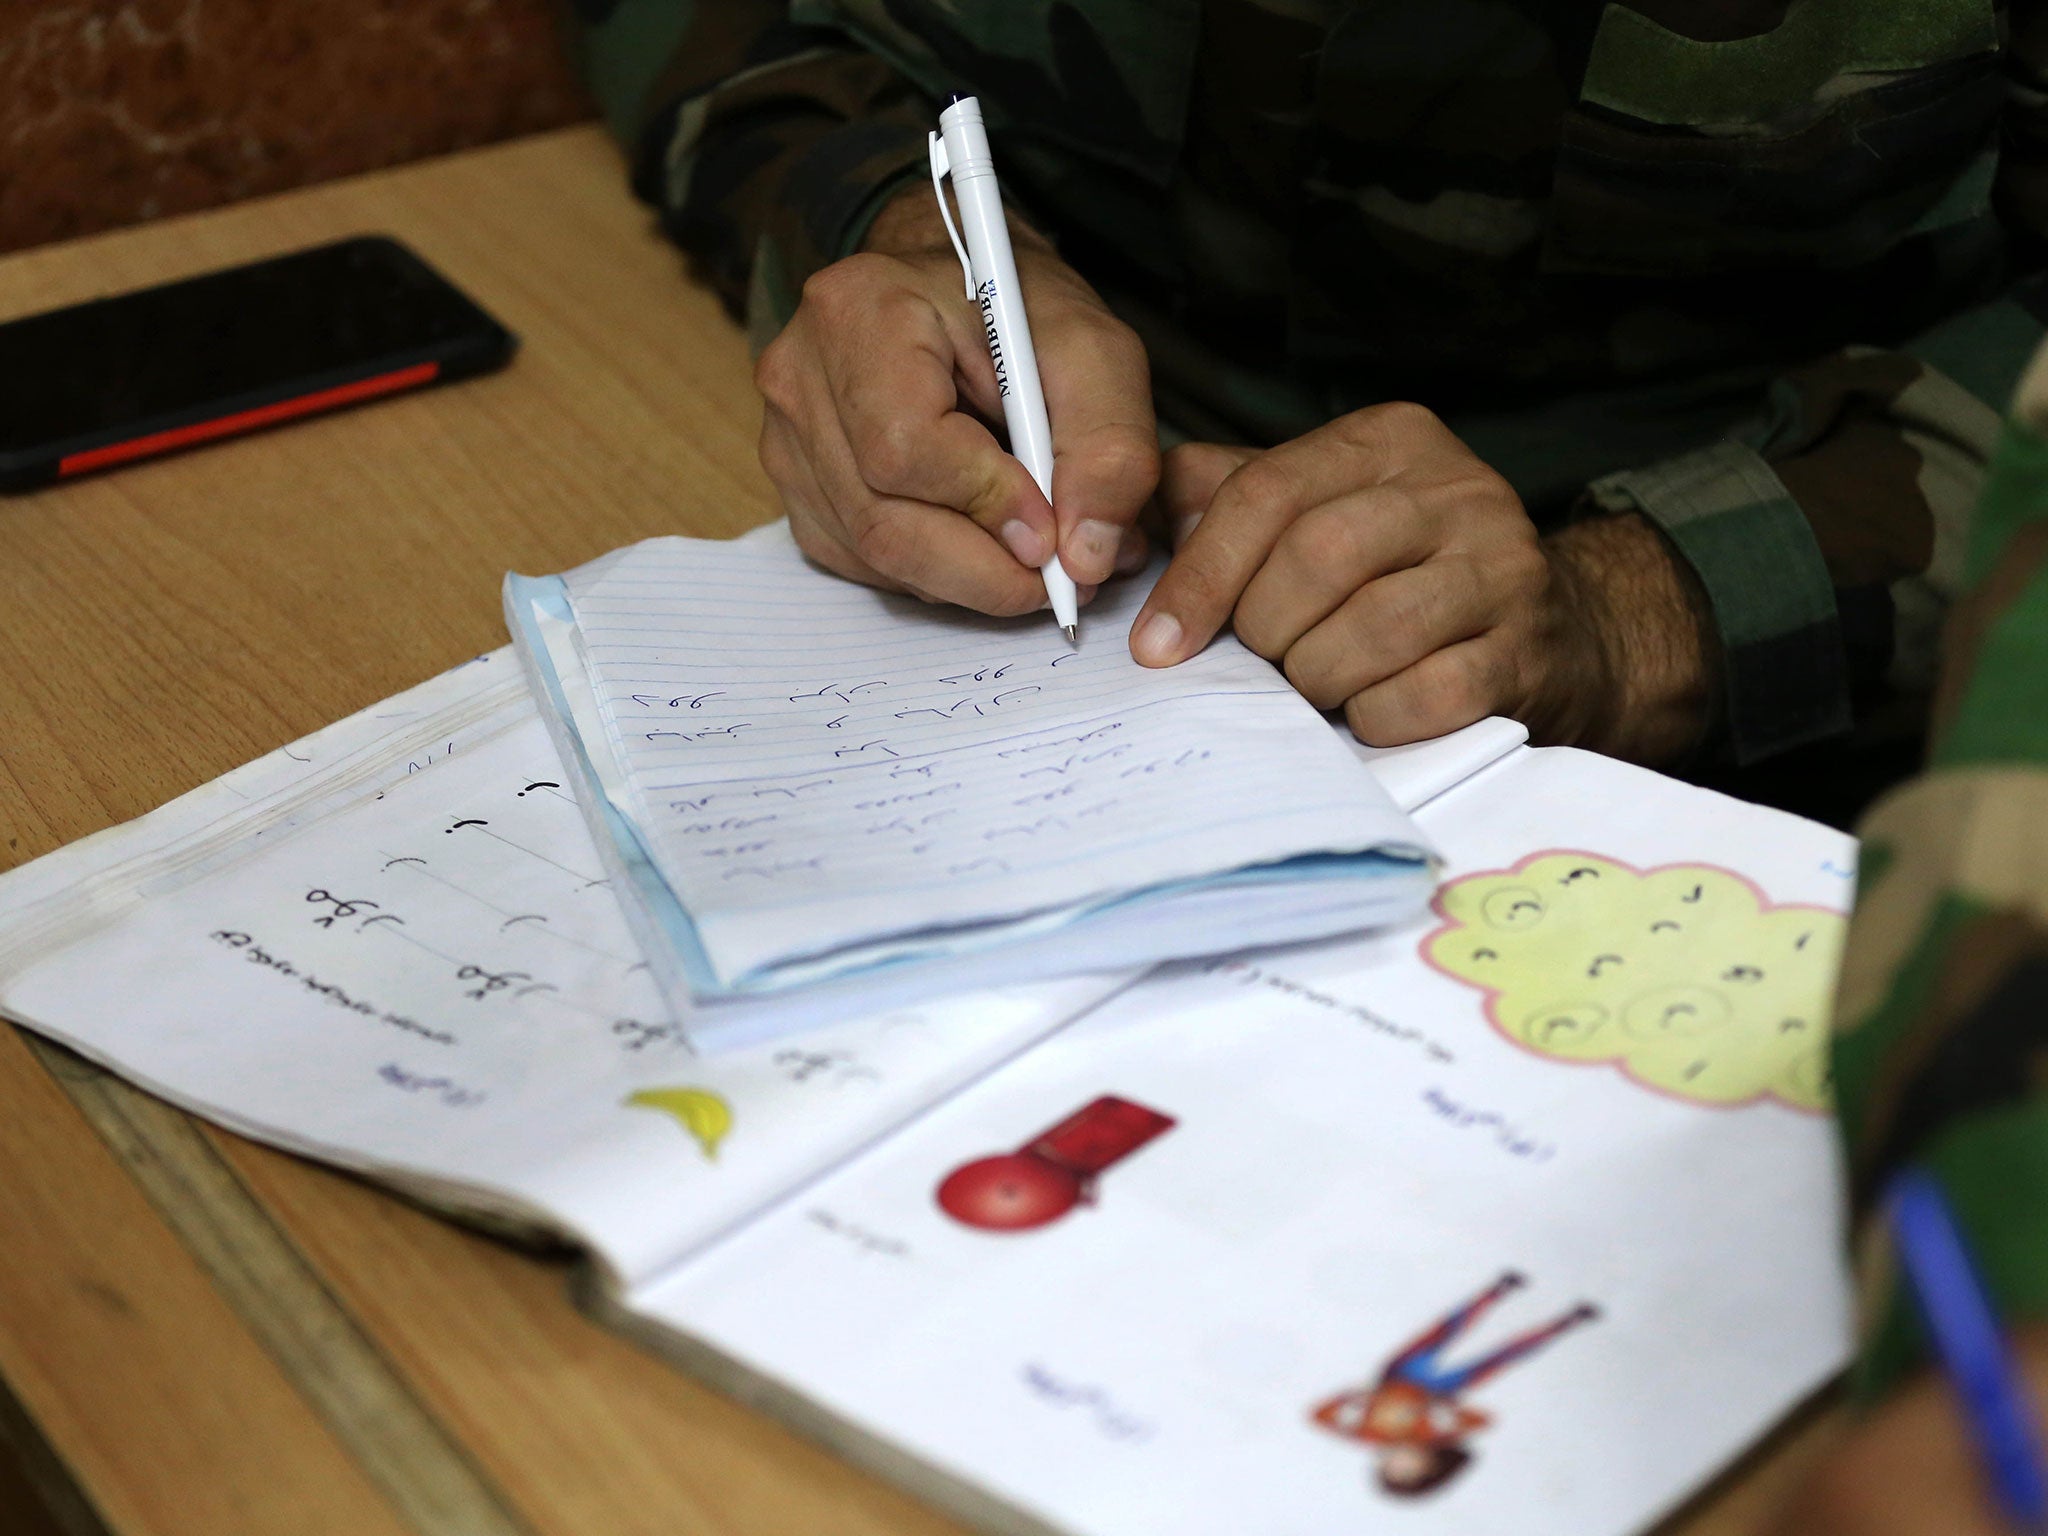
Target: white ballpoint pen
[(960, 150)]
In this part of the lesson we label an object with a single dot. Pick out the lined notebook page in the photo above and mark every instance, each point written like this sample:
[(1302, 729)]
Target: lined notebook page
[(817, 764)]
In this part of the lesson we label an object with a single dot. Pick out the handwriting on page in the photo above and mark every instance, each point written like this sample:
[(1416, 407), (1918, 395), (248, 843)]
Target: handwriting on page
[(257, 954), (855, 742), (909, 760), (1109, 1418), (1510, 1137), (472, 906), (1245, 974), (464, 922)]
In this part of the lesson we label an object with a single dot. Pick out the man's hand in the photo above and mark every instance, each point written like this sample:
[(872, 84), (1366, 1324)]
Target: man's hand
[(879, 430), (1393, 575), (1910, 1468)]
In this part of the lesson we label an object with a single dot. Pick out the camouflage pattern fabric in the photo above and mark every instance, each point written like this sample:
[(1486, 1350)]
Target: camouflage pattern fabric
[(1758, 268), (1943, 1008)]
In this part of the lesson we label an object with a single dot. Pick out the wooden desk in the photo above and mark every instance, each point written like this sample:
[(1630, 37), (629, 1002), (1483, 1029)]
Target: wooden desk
[(200, 1337)]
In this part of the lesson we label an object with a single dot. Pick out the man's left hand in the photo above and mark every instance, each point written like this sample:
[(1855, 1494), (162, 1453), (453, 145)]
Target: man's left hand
[(1393, 575), (1910, 1467)]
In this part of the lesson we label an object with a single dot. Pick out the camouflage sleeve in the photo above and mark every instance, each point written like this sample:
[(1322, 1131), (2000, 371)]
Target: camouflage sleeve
[(1829, 534), (1942, 1033), (767, 146)]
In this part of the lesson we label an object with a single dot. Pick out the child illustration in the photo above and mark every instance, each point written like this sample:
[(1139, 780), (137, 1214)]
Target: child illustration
[(1414, 1417)]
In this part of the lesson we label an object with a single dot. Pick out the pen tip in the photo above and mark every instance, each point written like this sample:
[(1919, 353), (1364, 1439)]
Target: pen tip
[(1072, 632)]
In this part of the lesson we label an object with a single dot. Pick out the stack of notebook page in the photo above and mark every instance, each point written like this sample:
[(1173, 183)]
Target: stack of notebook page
[(812, 797)]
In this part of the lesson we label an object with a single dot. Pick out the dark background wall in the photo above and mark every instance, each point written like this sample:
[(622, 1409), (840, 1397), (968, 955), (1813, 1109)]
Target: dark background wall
[(116, 111)]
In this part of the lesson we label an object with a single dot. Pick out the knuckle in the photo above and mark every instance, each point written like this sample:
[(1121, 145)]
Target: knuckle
[(1115, 343), (808, 536), (771, 448), (1180, 462), (1466, 695), (1189, 476), (1260, 484), (1126, 463), (1304, 677), (1462, 588), (1451, 696), (1400, 617), (1012, 603), (1291, 666), (1394, 432), (777, 369), (1479, 488), (1521, 579), (1326, 540), (888, 453), (1005, 488), (1529, 570), (814, 542), (1497, 582), (1402, 418), (788, 485), (1262, 639), (832, 289), (893, 315), (886, 545), (1366, 715), (1501, 675)]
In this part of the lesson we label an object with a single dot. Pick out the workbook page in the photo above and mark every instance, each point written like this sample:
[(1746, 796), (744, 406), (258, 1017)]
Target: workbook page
[(436, 985), (1523, 1217), (45, 902), (828, 777)]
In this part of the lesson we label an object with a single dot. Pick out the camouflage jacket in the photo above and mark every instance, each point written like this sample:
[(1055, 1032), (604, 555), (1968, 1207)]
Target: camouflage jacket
[(1759, 268), (1942, 1014)]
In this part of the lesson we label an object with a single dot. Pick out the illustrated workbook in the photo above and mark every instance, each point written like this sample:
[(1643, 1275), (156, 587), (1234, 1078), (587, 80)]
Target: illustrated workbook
[(1103, 1255)]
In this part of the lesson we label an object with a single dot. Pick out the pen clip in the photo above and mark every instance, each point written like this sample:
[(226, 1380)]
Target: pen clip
[(941, 168)]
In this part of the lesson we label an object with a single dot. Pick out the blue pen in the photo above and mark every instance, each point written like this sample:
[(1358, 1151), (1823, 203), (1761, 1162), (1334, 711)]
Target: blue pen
[(1966, 1336)]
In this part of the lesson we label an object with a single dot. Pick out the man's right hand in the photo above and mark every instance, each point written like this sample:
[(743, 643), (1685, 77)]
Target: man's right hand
[(881, 414)]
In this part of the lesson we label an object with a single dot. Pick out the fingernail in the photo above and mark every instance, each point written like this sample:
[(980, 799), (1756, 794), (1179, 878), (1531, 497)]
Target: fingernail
[(1095, 544), (1183, 528), (1024, 542), (1156, 641)]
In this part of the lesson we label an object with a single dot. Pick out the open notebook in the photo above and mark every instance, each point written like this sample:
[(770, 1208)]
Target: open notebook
[(1106, 1255), (804, 789)]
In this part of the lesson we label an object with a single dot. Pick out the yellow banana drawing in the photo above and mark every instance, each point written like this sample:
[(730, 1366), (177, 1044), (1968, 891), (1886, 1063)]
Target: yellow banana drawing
[(704, 1114)]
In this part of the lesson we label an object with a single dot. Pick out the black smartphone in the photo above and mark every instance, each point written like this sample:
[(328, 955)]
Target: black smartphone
[(160, 369)]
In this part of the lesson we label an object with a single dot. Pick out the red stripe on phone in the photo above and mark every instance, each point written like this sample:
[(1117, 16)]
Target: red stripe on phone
[(248, 421)]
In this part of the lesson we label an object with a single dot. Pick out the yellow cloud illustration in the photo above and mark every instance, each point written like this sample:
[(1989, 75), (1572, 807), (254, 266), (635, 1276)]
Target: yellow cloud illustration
[(704, 1114), (1685, 976)]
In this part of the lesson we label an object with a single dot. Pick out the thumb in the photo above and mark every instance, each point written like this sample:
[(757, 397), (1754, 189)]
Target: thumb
[(1105, 441)]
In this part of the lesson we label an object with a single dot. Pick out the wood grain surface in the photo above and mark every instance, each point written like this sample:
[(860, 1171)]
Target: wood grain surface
[(212, 1338)]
